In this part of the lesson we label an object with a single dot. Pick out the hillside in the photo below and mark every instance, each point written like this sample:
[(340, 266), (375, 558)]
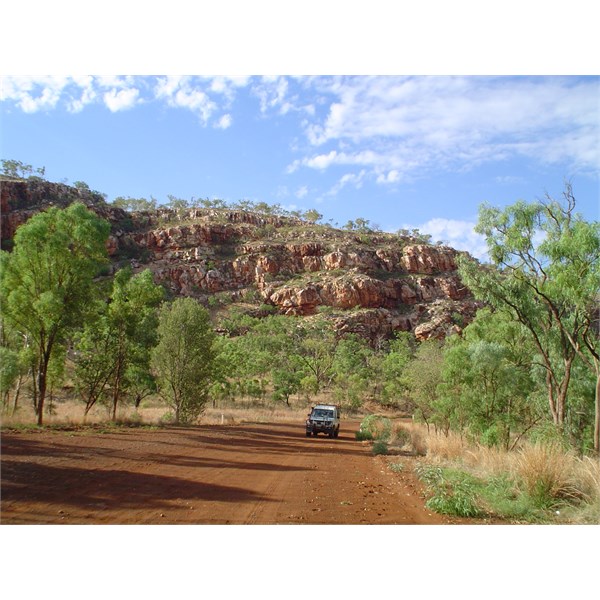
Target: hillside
[(366, 282)]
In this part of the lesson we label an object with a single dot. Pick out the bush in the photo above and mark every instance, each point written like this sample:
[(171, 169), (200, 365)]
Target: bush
[(380, 447), (378, 426), (362, 435), (454, 495), (402, 437)]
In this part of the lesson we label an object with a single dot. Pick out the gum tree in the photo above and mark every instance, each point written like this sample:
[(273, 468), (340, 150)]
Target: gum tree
[(46, 281), (184, 357), (545, 274)]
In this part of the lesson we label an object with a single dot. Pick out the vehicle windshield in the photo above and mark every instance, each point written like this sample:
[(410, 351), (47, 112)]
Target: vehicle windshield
[(320, 413)]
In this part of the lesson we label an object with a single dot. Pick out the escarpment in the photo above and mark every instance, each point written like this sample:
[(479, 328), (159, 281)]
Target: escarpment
[(369, 283)]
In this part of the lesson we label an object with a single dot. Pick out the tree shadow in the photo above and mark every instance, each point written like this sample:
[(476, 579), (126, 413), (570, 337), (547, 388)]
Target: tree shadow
[(84, 488)]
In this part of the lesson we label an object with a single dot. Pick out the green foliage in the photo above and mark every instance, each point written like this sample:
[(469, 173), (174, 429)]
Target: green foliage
[(184, 357), (15, 168), (393, 366), (135, 204), (546, 277), (377, 426), (452, 493), (487, 381), (113, 349), (380, 447), (9, 369), (46, 282), (422, 376), (312, 215), (363, 435)]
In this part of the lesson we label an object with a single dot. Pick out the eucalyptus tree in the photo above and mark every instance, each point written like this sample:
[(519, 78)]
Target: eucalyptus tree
[(184, 357), (46, 281), (545, 273)]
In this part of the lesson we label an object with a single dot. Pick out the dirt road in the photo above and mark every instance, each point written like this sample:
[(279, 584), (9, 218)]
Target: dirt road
[(240, 474)]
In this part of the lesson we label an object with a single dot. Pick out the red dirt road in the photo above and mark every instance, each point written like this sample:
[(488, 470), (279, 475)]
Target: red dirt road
[(241, 474)]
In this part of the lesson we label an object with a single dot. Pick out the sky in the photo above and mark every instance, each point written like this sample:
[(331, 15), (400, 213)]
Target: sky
[(399, 151)]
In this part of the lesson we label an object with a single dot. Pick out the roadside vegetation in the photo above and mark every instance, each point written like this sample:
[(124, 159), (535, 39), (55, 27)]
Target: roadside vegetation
[(518, 389)]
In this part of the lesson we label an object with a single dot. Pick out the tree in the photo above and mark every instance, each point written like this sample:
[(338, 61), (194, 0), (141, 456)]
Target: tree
[(546, 275), (46, 281), (15, 168), (135, 204), (132, 325), (422, 377), (353, 367), (114, 347), (94, 364), (312, 215), (487, 380), (184, 357), (395, 361)]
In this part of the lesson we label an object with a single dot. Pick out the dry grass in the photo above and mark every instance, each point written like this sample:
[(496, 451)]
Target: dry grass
[(491, 461), (155, 412), (449, 447), (546, 471)]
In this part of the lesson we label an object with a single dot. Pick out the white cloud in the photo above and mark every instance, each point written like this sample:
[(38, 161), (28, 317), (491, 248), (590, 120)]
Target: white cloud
[(272, 92), (354, 179), (117, 100), (32, 94), (411, 125), (201, 95), (301, 192), (323, 161), (224, 122), (457, 234), (392, 176)]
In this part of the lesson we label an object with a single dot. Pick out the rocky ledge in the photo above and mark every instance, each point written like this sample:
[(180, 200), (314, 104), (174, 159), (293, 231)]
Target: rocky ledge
[(369, 283)]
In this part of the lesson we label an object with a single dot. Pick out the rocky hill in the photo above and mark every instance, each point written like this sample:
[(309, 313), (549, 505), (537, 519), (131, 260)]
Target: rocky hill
[(370, 283)]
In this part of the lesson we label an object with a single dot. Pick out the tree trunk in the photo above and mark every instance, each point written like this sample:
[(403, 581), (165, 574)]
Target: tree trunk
[(41, 393), (597, 417), (17, 393)]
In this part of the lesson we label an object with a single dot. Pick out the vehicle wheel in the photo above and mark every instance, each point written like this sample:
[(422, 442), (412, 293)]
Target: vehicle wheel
[(315, 433), (336, 433), (308, 434), (332, 434)]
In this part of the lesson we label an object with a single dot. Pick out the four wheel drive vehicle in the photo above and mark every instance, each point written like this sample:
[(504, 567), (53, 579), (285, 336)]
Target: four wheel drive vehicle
[(323, 418)]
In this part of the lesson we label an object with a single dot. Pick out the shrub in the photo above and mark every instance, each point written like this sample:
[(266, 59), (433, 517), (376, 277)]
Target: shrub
[(380, 447), (378, 426), (402, 437), (362, 435), (451, 496)]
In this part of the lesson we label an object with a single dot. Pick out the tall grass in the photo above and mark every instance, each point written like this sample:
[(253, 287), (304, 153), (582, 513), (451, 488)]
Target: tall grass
[(538, 482), (546, 473)]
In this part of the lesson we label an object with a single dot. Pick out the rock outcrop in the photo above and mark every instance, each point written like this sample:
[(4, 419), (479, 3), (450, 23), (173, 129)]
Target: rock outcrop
[(371, 284)]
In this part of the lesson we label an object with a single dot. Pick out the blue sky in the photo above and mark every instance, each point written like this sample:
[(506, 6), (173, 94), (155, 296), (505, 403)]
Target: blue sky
[(401, 151)]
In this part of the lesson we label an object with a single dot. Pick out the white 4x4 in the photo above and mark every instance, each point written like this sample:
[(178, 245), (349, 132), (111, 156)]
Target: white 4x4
[(324, 418)]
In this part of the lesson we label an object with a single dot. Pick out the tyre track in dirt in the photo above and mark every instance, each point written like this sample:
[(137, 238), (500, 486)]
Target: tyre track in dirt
[(229, 474)]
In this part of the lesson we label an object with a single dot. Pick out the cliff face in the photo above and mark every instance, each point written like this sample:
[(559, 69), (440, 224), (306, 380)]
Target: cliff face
[(368, 283)]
